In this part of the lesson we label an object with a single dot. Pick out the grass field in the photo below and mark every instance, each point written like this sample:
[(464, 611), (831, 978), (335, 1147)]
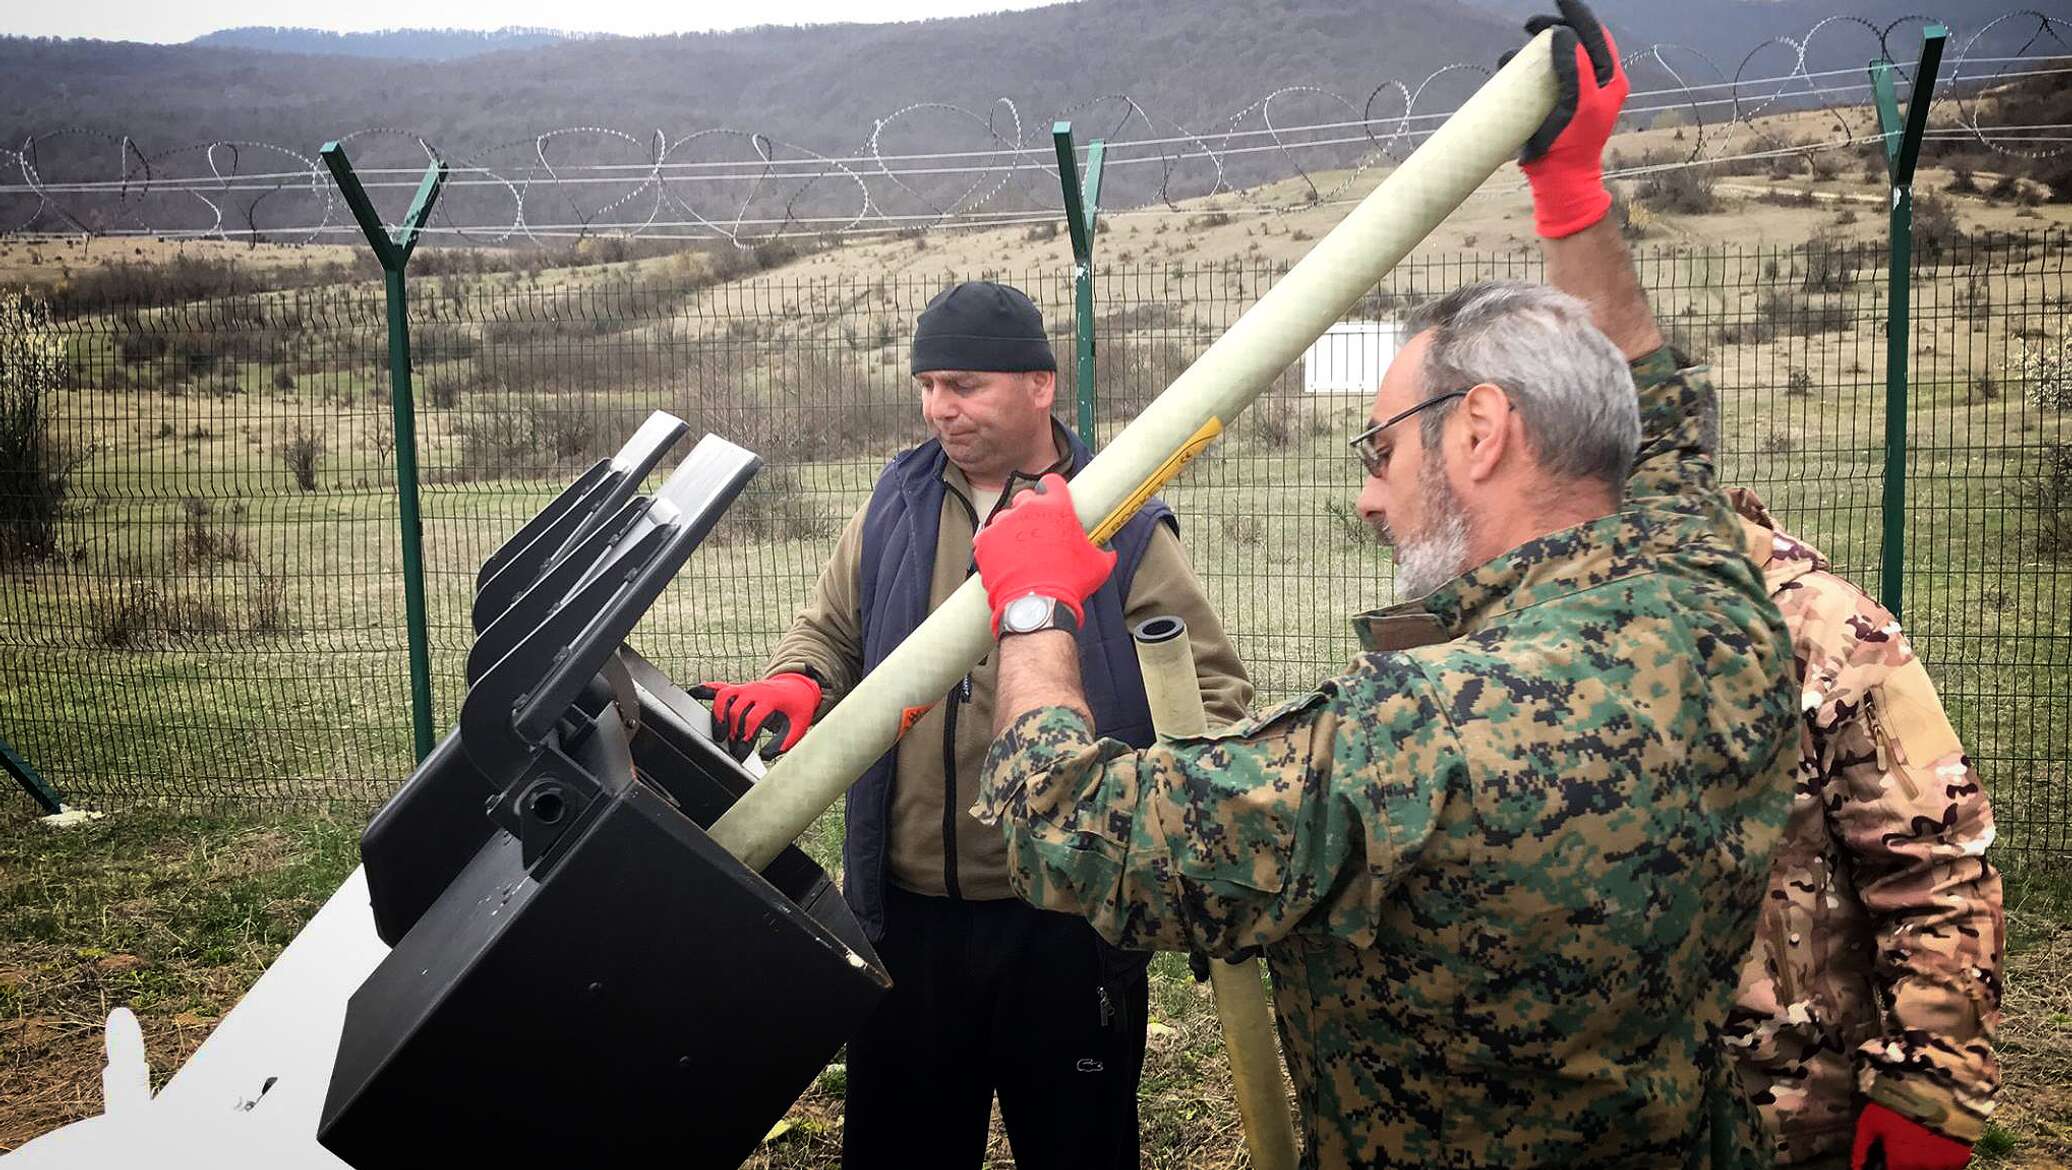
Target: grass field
[(235, 631), (175, 915)]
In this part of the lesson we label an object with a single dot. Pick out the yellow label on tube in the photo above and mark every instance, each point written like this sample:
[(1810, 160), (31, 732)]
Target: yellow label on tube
[(1166, 471)]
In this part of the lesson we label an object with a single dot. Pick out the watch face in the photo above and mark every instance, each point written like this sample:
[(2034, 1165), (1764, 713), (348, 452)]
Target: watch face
[(1024, 614)]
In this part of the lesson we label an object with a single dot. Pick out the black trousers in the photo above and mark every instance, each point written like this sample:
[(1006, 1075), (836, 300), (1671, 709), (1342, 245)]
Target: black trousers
[(988, 997)]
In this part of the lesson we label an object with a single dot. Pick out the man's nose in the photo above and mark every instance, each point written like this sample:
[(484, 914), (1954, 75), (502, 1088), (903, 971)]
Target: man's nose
[(1369, 504)]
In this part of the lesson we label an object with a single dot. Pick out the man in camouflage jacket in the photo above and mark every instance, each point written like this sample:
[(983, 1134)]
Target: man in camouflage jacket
[(1869, 1004), (1505, 867)]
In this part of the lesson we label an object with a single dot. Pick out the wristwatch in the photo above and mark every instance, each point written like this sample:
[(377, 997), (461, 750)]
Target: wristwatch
[(1033, 612)]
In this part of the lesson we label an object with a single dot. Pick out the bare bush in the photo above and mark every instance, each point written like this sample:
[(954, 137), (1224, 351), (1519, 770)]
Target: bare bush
[(1242, 529), (1351, 525), (1831, 264), (301, 451), (203, 540), (1674, 189), (35, 468), (141, 612), (776, 506), (2049, 492), (269, 613), (532, 435), (1797, 315), (1935, 227)]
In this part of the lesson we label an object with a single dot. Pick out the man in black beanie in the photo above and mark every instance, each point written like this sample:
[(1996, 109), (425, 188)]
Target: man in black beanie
[(989, 994)]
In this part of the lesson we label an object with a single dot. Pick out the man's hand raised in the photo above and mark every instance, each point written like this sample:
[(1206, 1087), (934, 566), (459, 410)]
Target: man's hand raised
[(1564, 159)]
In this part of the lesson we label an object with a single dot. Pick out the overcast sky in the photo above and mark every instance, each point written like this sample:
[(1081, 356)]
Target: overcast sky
[(180, 20)]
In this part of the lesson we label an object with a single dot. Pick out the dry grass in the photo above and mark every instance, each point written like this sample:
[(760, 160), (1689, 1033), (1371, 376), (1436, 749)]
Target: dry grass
[(176, 915), (173, 916)]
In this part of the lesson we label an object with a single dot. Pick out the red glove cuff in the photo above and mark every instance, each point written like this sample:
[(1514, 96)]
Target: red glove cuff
[(1566, 203)]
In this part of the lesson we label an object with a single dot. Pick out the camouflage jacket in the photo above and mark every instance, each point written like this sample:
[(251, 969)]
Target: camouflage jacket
[(1877, 956), (1504, 877)]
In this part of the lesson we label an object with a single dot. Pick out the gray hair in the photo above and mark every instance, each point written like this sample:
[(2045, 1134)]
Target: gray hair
[(1570, 384)]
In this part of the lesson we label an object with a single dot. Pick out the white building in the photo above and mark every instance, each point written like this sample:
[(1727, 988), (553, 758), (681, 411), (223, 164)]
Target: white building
[(1350, 357)]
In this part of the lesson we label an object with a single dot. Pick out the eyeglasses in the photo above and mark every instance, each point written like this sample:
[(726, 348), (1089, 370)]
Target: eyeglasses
[(1375, 460)]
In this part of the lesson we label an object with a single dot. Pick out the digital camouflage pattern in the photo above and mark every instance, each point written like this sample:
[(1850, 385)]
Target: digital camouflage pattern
[(1876, 966), (1504, 868)]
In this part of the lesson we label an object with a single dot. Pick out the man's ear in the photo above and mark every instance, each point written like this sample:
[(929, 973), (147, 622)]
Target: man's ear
[(1043, 388), (1489, 432)]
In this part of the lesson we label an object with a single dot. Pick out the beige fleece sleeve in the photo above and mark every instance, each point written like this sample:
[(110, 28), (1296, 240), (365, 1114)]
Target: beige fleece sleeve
[(826, 636)]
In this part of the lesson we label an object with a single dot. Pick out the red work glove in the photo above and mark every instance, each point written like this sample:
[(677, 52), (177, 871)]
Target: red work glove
[(1564, 159), (1037, 546), (1906, 1143), (783, 704)]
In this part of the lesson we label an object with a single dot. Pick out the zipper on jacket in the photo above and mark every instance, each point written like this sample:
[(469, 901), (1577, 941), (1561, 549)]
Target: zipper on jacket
[(959, 695)]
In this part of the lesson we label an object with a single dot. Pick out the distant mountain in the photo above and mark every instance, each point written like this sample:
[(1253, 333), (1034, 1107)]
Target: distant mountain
[(1726, 30), (1196, 70), (1190, 64), (406, 44)]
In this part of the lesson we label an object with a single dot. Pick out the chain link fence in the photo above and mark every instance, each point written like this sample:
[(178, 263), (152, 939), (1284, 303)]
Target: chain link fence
[(219, 617)]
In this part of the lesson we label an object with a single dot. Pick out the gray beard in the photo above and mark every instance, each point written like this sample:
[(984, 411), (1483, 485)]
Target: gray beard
[(1439, 553)]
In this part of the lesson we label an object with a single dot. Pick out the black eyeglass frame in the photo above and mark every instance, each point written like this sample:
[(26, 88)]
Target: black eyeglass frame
[(1363, 443)]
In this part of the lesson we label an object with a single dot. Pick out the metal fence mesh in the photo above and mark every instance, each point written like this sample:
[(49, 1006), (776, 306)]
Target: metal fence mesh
[(224, 620)]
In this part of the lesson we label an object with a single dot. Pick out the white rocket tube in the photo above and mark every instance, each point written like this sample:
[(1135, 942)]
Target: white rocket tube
[(1386, 225)]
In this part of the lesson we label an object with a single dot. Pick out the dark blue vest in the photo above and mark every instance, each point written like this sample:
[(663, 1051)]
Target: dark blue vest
[(900, 529)]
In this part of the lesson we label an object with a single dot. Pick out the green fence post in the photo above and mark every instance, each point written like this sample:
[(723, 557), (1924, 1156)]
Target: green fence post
[(1902, 151), (31, 780), (394, 254), (1082, 208)]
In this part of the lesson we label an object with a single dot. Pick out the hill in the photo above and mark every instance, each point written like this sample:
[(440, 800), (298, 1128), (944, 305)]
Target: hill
[(412, 44)]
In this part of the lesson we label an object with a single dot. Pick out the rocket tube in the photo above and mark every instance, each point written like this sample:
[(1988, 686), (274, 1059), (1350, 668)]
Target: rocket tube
[(1174, 693), (1394, 218)]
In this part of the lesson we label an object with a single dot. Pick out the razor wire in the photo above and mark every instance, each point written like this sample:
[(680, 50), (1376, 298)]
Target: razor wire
[(1297, 147)]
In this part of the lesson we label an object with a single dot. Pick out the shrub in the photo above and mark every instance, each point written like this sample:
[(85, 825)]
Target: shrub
[(1242, 529), (529, 436), (1961, 182), (35, 469), (775, 506), (1799, 384), (1796, 315), (137, 348), (2047, 368), (145, 611), (301, 451), (1935, 227), (442, 392), (1350, 524), (269, 613), (283, 381), (2050, 492), (1830, 264), (1675, 189), (201, 540)]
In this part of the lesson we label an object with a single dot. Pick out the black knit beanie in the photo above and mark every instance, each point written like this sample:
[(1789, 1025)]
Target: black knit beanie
[(979, 325)]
